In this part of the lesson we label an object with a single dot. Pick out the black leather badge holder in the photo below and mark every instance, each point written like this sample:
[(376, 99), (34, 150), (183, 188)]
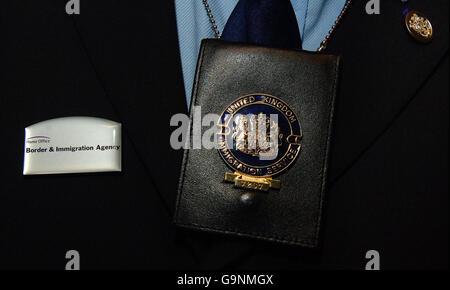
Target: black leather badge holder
[(269, 187)]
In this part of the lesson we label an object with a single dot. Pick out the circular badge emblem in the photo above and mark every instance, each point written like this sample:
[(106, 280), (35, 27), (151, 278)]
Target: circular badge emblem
[(259, 135)]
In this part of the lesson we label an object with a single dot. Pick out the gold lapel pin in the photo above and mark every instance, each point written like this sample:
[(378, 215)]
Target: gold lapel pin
[(418, 26)]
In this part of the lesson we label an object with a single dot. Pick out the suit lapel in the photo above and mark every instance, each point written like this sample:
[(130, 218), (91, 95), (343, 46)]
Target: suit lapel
[(383, 68), (133, 48)]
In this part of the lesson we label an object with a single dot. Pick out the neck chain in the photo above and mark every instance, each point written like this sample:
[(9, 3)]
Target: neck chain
[(211, 19), (323, 44)]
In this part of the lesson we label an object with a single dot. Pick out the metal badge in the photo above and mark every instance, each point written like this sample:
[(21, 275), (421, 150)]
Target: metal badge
[(259, 137), (419, 26)]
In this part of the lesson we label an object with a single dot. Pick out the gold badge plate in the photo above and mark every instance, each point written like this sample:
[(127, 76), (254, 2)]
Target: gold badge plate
[(254, 183)]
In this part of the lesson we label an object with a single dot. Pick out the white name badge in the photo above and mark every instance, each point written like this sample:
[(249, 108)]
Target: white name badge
[(73, 145)]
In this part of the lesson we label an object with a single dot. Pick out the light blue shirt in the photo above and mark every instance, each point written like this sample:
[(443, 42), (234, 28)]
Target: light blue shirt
[(315, 18)]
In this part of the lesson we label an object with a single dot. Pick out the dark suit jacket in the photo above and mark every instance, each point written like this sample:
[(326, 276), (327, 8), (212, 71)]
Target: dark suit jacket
[(388, 183)]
